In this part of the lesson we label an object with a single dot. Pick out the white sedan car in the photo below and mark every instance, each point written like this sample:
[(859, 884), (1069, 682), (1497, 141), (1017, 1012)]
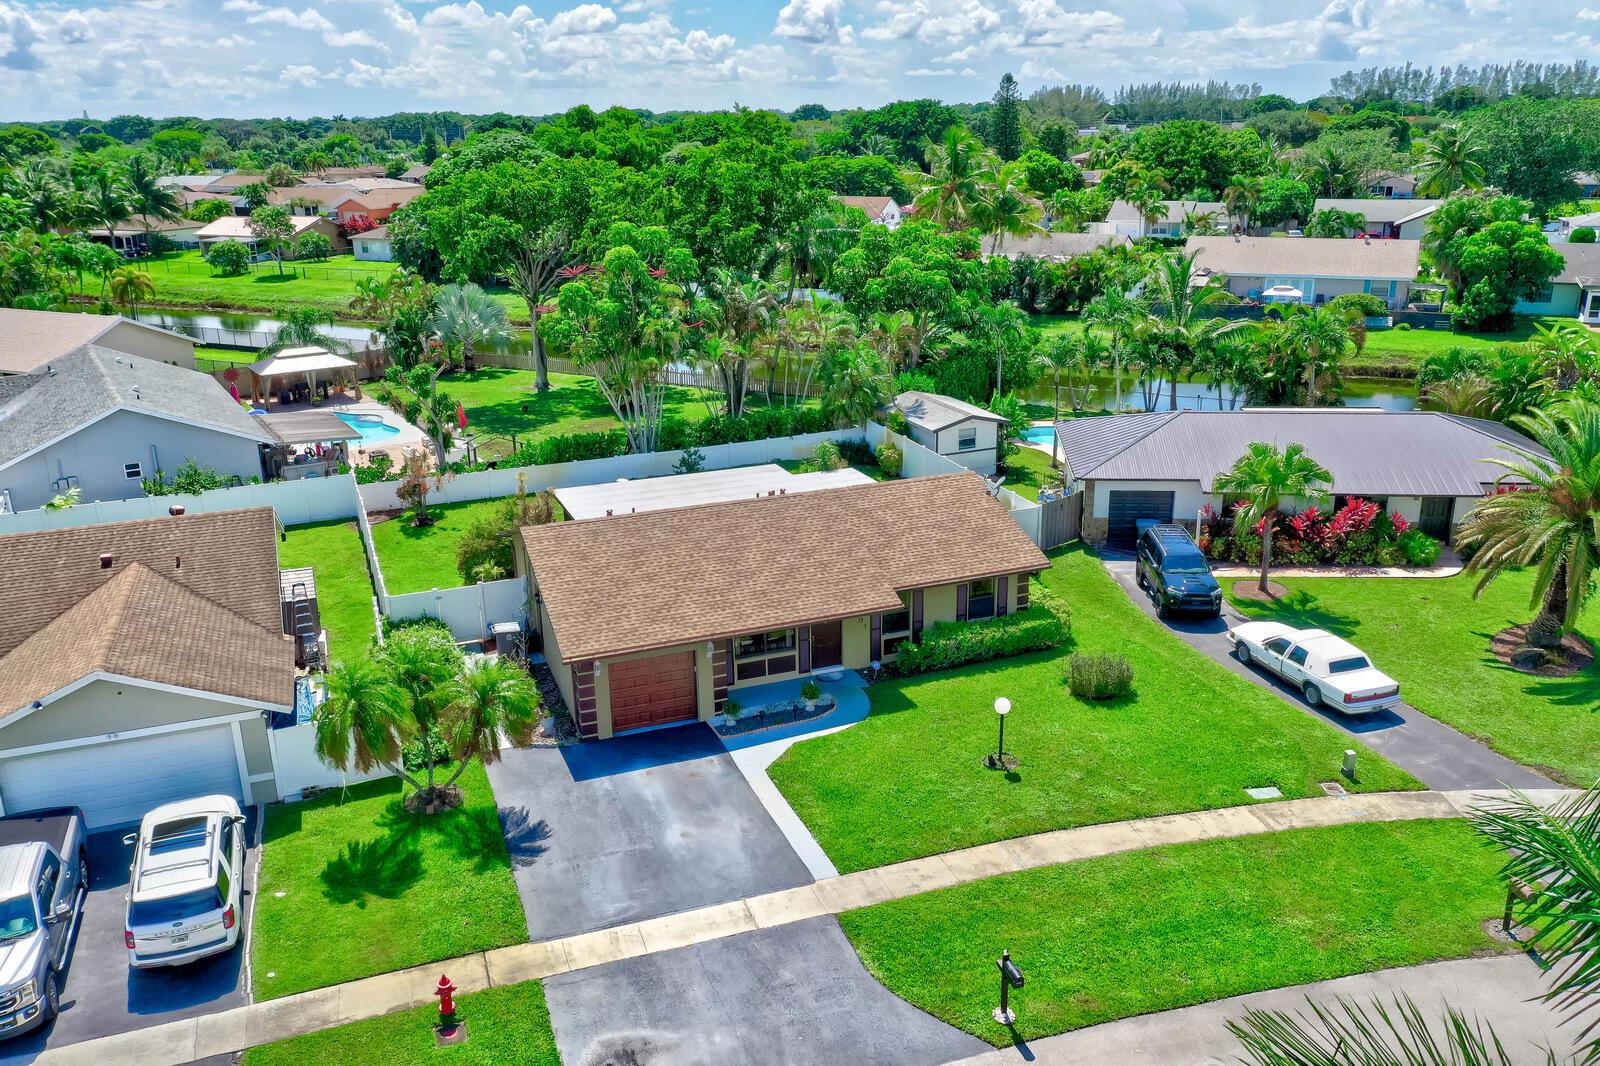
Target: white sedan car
[(1329, 670)]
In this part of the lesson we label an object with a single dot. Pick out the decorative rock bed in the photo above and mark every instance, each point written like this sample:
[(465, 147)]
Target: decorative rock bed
[(773, 715)]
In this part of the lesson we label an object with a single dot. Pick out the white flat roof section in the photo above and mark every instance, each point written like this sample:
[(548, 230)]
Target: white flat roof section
[(687, 490)]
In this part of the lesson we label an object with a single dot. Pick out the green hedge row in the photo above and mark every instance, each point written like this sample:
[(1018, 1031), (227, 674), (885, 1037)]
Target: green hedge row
[(675, 434), (1043, 624)]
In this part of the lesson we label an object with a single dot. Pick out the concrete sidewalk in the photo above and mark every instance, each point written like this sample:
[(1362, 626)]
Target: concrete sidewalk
[(261, 1023), (1501, 991)]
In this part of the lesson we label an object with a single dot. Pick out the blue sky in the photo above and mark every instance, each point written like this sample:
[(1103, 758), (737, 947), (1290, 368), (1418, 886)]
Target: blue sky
[(364, 57)]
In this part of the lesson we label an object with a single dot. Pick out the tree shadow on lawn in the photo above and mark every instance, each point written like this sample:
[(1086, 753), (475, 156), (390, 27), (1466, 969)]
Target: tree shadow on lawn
[(386, 867), (1579, 690), (1301, 609)]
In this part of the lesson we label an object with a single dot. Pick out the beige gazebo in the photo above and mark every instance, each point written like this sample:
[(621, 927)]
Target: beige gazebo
[(291, 361)]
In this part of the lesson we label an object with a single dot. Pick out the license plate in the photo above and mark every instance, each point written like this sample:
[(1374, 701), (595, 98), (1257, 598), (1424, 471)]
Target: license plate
[(181, 938)]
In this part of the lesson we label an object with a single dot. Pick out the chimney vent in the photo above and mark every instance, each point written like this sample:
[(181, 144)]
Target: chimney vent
[(105, 561), (175, 510), (608, 512), (177, 562)]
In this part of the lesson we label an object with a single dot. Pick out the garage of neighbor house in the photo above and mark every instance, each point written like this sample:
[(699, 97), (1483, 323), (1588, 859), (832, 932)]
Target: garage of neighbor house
[(140, 663)]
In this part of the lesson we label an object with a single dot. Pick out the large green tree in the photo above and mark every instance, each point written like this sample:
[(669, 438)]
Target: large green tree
[(1005, 120)]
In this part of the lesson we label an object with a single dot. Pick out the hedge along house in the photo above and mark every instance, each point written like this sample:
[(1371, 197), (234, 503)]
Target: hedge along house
[(659, 617), (1429, 467)]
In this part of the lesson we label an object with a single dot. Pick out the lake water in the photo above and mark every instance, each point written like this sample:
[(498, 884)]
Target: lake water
[(243, 330), (1391, 395)]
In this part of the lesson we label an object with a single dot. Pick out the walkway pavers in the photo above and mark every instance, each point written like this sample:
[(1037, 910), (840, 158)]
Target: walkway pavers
[(241, 1028)]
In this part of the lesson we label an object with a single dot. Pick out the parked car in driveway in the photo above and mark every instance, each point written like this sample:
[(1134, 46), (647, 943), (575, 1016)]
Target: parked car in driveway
[(44, 879), (1329, 671), (186, 882), (1173, 572)]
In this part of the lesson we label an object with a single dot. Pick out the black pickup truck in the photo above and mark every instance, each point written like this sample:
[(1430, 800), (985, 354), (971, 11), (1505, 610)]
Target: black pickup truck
[(44, 879)]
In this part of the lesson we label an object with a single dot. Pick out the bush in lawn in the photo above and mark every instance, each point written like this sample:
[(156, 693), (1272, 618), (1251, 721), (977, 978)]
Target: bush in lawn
[(1043, 624), (1418, 548), (1099, 677), (487, 550), (1582, 235), (890, 461), (228, 258), (828, 456), (313, 246)]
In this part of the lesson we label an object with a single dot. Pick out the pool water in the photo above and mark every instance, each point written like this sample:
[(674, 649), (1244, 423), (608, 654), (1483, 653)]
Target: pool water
[(373, 430), (1039, 434)]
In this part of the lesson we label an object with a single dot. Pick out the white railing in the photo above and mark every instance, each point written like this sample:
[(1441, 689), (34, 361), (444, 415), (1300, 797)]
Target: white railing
[(296, 502), (469, 611)]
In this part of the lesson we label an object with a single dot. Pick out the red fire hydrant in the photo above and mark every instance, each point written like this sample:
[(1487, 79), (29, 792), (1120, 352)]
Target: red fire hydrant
[(447, 1004)]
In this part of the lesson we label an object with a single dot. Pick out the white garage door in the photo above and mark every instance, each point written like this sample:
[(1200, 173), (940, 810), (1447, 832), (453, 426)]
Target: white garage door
[(117, 782)]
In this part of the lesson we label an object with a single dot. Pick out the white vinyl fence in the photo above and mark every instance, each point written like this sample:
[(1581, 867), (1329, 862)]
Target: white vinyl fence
[(469, 611), (308, 500), (298, 767)]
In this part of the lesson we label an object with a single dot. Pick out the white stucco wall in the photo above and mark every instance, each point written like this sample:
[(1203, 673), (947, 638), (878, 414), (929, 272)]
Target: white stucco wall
[(379, 251)]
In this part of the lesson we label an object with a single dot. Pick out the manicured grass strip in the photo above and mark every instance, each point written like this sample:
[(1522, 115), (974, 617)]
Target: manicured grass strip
[(344, 588), (369, 887), (1148, 931), (1433, 637), (908, 782), (505, 1026), (416, 559), (185, 279), (1028, 470)]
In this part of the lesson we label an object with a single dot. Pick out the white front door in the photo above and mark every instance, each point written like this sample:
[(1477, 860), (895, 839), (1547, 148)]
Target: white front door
[(1591, 306)]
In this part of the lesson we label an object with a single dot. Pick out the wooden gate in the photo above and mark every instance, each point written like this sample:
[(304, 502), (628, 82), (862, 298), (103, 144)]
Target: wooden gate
[(1059, 520)]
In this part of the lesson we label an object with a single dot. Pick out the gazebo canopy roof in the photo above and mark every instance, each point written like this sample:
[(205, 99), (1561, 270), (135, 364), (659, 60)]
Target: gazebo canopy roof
[(299, 361), (308, 427)]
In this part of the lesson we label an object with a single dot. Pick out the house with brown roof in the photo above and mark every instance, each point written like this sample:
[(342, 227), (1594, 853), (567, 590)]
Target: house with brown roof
[(140, 663), (880, 209), (32, 340), (1319, 268), (660, 617), (376, 198), (237, 228)]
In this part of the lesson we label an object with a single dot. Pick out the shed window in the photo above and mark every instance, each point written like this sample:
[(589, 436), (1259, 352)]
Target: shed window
[(980, 598), (133, 471), (967, 439)]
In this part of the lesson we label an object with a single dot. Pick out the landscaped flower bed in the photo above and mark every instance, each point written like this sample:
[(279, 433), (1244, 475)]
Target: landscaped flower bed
[(1357, 534)]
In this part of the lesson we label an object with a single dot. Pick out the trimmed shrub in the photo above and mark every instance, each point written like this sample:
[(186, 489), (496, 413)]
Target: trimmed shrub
[(1042, 625), (571, 448), (228, 258), (890, 460), (857, 451), (1418, 548), (1099, 677), (1362, 302), (1582, 235)]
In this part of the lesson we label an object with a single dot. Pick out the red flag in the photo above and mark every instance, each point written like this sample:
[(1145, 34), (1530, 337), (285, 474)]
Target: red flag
[(234, 390), (461, 415)]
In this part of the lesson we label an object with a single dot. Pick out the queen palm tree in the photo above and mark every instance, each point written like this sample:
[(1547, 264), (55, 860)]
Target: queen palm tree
[(1116, 311), (493, 698), (744, 310), (1326, 171), (105, 201), (1452, 160), (131, 286), (1007, 211), (855, 383), (465, 317), (150, 198), (363, 721), (1242, 195), (956, 185), (1323, 334), (1176, 330), (1548, 520), (1265, 478)]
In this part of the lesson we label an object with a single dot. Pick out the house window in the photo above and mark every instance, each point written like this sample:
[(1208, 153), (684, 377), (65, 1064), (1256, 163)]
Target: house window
[(760, 654), (133, 471), (980, 598), (758, 644), (897, 625), (966, 439)]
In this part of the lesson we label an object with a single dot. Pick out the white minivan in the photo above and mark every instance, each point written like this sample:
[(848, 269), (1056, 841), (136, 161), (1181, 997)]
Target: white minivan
[(184, 892)]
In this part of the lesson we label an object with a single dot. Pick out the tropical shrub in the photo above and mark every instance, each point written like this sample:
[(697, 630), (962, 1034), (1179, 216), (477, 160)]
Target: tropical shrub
[(228, 258), (1357, 534), (692, 461), (1363, 303), (890, 460), (379, 468), (486, 551), (571, 448), (1099, 677), (190, 479), (1582, 235), (1419, 548), (828, 457), (312, 245), (1043, 624)]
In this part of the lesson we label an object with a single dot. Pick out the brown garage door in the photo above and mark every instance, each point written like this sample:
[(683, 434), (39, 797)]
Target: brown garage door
[(653, 691)]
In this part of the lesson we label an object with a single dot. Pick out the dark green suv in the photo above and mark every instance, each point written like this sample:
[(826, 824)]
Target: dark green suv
[(1175, 574)]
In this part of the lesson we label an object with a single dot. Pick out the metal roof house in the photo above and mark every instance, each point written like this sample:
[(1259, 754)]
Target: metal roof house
[(1427, 466), (1402, 218), (961, 432)]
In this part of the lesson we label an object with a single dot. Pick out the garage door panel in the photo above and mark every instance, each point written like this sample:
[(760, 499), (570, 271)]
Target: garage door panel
[(653, 691), (118, 781), (1126, 507)]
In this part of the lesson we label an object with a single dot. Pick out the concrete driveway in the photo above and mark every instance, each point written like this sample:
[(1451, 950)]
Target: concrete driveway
[(103, 995), (606, 833), (1432, 752), (791, 995)]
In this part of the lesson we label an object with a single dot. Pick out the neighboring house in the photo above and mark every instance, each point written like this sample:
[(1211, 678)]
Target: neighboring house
[(373, 245), (1588, 185), (1395, 186), (377, 198), (416, 173), (365, 170), (1404, 218), (140, 663), (1427, 466), (230, 183), (132, 238), (1123, 219), (101, 422), (186, 181), (961, 432), (644, 625), (1320, 267), (1559, 231), (1575, 292), (1054, 245), (237, 228), (880, 209), (31, 340), (1091, 178)]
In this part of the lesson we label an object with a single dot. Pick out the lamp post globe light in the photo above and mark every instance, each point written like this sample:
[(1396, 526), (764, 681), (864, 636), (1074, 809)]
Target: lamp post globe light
[(1002, 707)]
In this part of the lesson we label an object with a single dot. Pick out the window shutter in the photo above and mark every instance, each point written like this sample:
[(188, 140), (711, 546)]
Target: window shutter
[(1002, 595), (961, 603), (876, 653), (916, 613)]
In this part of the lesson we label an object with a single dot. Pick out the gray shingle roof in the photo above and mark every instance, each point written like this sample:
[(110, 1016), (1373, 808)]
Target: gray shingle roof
[(932, 411), (1582, 261), (1315, 257), (1379, 209), (1123, 211), (91, 382), (1368, 451), (1054, 245)]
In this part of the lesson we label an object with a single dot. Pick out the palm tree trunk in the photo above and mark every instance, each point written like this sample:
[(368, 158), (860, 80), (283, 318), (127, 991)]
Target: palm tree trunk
[(541, 362), (1311, 378), (1172, 390), (1549, 626), (1266, 555)]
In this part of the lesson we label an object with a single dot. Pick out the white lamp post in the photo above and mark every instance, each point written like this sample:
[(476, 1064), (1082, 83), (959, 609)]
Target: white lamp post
[(1002, 707)]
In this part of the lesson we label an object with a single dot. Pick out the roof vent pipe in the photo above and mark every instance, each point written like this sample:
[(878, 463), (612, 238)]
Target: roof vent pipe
[(175, 510), (608, 512)]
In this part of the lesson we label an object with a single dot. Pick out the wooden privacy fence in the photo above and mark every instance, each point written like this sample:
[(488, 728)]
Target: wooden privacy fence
[(1060, 519)]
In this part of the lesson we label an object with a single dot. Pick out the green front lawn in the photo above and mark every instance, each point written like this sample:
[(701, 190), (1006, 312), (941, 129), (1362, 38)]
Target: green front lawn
[(353, 885), (185, 279), (908, 781), (1152, 930), (344, 588), (504, 1026), (416, 559), (1433, 637), (1401, 352)]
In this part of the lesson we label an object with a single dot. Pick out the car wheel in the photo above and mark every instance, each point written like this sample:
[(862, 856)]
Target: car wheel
[(1313, 694), (52, 995), (1242, 653), (83, 871)]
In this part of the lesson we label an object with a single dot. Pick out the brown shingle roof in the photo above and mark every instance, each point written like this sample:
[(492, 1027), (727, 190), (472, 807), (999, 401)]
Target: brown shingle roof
[(142, 625), (653, 580)]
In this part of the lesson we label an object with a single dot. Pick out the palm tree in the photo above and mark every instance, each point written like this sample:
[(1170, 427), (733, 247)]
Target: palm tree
[(465, 317), (303, 328), (105, 202), (48, 202), (1117, 312), (1177, 331), (1548, 520), (956, 185), (1266, 477), (493, 698), (424, 667), (1326, 171), (855, 384), (131, 286), (1469, 395), (1452, 160), (1007, 211), (878, 144), (1146, 199), (1242, 195), (363, 721), (150, 199), (1323, 333)]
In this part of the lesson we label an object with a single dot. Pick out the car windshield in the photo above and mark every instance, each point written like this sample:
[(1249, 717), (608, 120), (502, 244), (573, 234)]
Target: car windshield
[(1187, 563), (174, 908), (1344, 666), (17, 919)]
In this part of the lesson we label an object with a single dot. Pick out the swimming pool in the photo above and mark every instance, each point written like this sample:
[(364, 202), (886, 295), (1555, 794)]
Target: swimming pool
[(373, 429), (1039, 434)]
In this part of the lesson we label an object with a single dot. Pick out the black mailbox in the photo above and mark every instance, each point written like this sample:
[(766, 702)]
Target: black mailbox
[(1009, 971), (1010, 977)]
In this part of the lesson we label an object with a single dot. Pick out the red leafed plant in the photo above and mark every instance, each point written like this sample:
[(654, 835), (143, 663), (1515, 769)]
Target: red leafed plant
[(546, 309), (355, 224), (1306, 522), (576, 270), (1354, 517), (1400, 522)]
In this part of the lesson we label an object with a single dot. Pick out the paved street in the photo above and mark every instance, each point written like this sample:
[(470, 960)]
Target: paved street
[(1436, 754)]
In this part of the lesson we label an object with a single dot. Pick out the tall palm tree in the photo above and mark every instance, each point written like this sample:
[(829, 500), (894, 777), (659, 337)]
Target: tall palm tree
[(150, 199), (1146, 199), (1323, 334), (48, 199), (493, 698), (105, 201), (363, 721), (1242, 195), (1265, 478), (1549, 520), (1452, 160), (465, 317), (956, 186), (1177, 330), (1326, 171), (1116, 311), (131, 286), (744, 310), (1007, 211)]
